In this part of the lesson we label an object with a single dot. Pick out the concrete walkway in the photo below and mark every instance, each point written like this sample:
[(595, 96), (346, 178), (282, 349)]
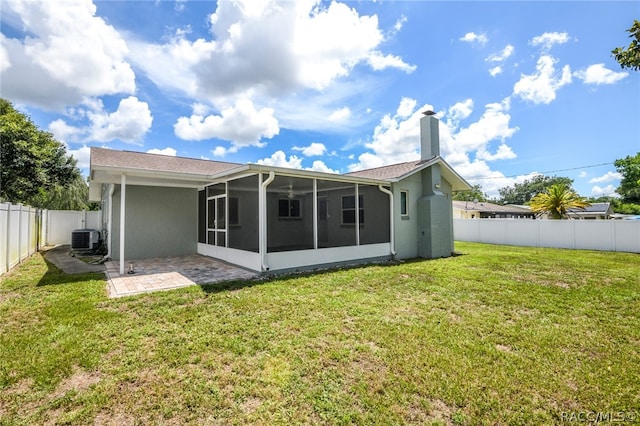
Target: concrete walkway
[(61, 257), (150, 275)]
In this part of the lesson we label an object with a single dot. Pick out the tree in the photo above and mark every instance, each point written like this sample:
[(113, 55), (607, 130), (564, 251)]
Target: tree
[(629, 168), (630, 57), (35, 168), (474, 194), (556, 200), (522, 193)]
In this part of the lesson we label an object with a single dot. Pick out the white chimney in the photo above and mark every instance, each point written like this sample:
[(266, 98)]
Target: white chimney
[(429, 136)]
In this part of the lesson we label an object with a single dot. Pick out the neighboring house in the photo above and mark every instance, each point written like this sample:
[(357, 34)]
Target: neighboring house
[(274, 219), (484, 210), (594, 211)]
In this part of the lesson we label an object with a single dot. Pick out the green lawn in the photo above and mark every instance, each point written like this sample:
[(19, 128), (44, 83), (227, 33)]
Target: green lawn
[(499, 335)]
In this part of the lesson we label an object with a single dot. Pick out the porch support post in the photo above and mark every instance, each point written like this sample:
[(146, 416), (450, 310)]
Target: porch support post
[(315, 214), (392, 221), (123, 193), (357, 216)]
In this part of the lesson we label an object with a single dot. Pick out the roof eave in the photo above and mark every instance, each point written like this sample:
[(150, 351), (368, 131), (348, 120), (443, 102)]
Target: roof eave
[(463, 184)]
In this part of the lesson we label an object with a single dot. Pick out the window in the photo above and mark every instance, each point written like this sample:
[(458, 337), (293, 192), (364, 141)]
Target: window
[(404, 203), (289, 208), (349, 210)]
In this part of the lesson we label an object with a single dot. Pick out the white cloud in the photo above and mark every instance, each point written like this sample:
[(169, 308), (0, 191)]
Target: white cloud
[(472, 37), (598, 74), (495, 71), (82, 156), (129, 123), (406, 108), (541, 86), (279, 159), (583, 174), (64, 132), (292, 45), (340, 114), (314, 150), (399, 23), (242, 124), (608, 191), (547, 40), (502, 56), (5, 62), (379, 62), (319, 166), (397, 139), (493, 125), (460, 110), (504, 152), (607, 177), (69, 53), (166, 151)]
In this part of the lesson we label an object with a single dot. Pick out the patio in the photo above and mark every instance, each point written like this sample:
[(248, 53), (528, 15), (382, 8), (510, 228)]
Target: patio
[(167, 273)]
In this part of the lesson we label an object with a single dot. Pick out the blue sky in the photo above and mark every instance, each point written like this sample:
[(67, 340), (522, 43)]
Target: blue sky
[(520, 87)]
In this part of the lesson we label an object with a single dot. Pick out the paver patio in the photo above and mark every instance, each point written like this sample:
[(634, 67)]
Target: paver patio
[(169, 273)]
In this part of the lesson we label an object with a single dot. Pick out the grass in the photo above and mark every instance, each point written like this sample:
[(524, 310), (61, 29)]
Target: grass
[(499, 335)]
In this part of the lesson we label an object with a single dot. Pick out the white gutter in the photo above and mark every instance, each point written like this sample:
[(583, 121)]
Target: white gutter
[(262, 217), (392, 233)]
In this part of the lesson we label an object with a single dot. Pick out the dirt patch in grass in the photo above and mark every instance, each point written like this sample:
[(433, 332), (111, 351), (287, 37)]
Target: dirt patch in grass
[(5, 297), (79, 381), (21, 387), (250, 405), (117, 418)]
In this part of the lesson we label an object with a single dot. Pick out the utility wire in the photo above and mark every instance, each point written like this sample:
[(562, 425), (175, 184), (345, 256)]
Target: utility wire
[(541, 173)]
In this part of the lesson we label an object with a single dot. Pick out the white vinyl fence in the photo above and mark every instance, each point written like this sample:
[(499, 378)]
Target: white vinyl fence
[(25, 230), (61, 222), (605, 235)]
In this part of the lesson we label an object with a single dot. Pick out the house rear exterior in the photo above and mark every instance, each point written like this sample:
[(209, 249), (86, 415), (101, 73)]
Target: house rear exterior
[(275, 219)]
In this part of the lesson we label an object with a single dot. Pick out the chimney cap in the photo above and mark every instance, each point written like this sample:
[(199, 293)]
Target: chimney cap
[(428, 112)]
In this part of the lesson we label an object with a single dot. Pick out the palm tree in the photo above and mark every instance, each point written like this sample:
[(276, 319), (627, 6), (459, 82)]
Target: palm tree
[(556, 200)]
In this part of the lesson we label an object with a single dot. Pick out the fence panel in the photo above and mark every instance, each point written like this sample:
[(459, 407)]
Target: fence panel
[(60, 224), (604, 235), (24, 230), (4, 237)]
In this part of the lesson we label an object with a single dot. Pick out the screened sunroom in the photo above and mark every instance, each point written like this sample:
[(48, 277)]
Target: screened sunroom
[(279, 219)]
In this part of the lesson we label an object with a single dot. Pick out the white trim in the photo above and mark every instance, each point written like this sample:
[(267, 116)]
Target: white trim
[(305, 258), (315, 214), (243, 258), (392, 236), (123, 192), (358, 215)]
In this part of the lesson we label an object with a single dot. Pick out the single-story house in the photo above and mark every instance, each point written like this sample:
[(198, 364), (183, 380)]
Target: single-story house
[(594, 211), (266, 218), (484, 210)]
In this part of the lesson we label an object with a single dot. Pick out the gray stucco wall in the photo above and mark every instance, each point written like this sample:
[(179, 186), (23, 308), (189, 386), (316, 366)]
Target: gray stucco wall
[(435, 214), (406, 229), (159, 222)]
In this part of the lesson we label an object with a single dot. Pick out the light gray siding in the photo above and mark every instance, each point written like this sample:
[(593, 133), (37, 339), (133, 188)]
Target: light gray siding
[(159, 222)]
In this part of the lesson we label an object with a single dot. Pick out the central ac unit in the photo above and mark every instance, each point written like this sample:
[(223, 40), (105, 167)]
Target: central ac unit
[(85, 239)]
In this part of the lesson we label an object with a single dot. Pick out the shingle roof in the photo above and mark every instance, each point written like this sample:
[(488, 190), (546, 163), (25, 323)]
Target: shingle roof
[(489, 207), (156, 162), (593, 208), (389, 172)]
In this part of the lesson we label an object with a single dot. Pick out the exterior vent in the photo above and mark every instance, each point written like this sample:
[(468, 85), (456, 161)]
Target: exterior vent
[(85, 239)]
